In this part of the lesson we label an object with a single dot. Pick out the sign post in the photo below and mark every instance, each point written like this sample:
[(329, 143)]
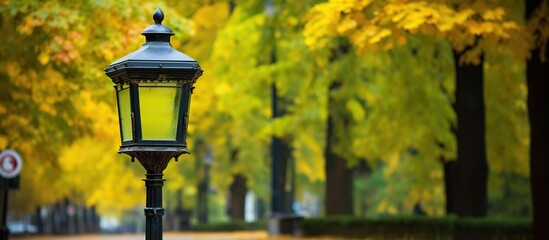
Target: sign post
[(10, 167)]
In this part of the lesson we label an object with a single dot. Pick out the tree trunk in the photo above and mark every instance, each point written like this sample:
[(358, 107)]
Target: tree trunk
[(289, 182), (237, 197), (80, 211), (282, 180), (88, 220), (449, 186), (260, 209), (96, 219), (471, 168), (61, 223), (38, 220), (537, 73), (339, 177), (202, 161), (203, 189), (182, 216)]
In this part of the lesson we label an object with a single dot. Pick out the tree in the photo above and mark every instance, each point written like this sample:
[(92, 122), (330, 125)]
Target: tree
[(54, 72), (244, 72), (507, 134), (208, 18), (537, 74), (282, 166), (470, 174), (406, 114), (372, 26), (339, 176), (241, 101)]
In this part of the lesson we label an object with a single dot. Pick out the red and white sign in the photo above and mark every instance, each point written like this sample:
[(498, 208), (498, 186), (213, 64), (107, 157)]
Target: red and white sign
[(10, 164)]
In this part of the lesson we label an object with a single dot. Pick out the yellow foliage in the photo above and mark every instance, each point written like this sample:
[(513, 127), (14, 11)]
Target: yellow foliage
[(371, 26), (357, 111), (65, 124), (538, 29), (392, 164), (211, 17), (309, 156), (3, 142), (95, 175), (494, 14), (52, 58)]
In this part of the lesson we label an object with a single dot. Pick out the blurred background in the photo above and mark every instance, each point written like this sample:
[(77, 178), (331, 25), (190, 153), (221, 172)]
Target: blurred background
[(367, 108)]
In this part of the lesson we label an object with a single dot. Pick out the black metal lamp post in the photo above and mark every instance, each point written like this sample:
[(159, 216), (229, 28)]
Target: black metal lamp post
[(153, 91)]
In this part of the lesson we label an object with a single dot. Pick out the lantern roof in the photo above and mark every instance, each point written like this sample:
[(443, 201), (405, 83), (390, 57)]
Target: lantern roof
[(156, 56)]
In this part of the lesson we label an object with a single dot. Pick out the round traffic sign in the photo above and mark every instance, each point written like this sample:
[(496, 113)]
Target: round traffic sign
[(10, 164)]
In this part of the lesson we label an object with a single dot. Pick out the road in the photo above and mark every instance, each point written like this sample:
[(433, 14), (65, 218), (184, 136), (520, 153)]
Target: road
[(167, 236)]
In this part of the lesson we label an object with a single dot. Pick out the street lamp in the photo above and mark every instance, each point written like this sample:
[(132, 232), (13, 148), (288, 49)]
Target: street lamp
[(153, 92)]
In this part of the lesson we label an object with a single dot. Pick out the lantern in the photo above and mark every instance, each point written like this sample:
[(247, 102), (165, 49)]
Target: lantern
[(153, 91)]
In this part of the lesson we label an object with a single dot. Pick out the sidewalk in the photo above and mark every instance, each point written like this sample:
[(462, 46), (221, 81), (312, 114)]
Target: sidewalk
[(167, 236)]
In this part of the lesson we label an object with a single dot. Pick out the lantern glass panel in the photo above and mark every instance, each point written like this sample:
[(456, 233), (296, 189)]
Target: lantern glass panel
[(124, 108), (159, 107)]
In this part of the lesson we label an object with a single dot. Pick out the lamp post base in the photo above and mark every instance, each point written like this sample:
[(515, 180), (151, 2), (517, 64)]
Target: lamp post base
[(153, 209)]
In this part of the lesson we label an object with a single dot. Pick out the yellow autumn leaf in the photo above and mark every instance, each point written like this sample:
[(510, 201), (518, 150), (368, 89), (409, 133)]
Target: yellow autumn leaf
[(346, 25), (493, 14), (44, 58), (379, 35)]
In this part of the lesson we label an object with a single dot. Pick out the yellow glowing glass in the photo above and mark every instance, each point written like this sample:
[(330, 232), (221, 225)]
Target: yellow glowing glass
[(125, 113), (159, 104)]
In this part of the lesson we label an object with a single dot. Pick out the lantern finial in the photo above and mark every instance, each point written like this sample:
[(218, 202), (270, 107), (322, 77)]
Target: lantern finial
[(158, 32), (158, 16)]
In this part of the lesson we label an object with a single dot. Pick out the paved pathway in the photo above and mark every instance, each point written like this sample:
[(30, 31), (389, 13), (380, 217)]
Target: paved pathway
[(259, 235)]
